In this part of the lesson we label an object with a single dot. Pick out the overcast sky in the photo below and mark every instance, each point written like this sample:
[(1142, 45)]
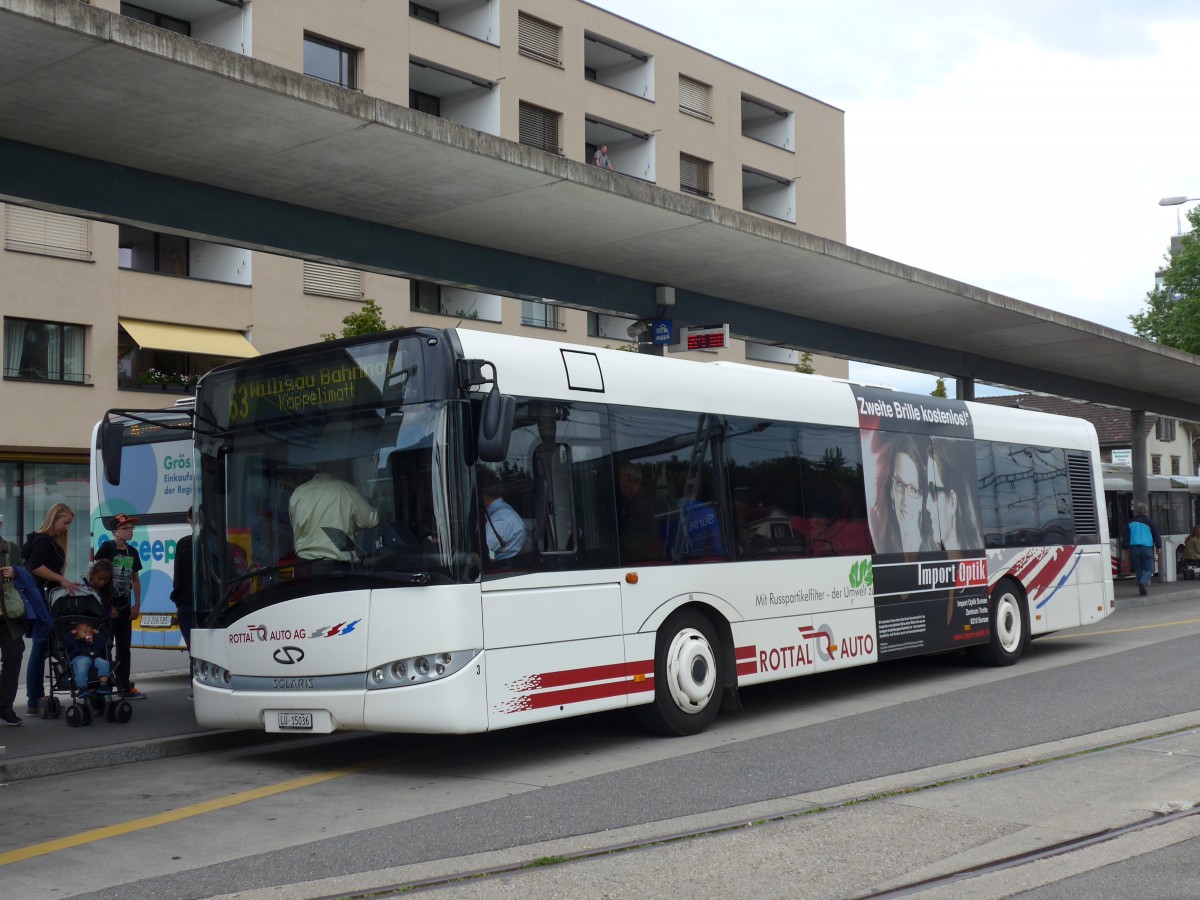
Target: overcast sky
[(1020, 146)]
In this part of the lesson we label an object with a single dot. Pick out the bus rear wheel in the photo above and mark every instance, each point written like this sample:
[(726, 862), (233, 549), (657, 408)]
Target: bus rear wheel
[(1009, 618), (689, 671)]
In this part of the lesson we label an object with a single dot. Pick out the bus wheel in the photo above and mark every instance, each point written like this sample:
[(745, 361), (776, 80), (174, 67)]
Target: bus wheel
[(688, 674), (1010, 627)]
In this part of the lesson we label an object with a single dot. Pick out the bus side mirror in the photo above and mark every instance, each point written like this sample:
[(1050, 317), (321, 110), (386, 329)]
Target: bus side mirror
[(111, 434), (495, 425)]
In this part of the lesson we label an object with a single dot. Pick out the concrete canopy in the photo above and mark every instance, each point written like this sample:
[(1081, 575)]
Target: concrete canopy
[(91, 122)]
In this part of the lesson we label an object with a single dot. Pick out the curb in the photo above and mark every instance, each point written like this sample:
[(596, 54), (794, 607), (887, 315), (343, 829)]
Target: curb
[(22, 768), (1159, 596)]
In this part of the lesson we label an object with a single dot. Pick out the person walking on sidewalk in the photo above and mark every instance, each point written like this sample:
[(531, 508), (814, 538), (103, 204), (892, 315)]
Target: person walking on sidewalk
[(12, 638), (1142, 537), (127, 595)]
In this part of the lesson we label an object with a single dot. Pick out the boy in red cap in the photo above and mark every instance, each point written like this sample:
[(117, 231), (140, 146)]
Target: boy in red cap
[(127, 595)]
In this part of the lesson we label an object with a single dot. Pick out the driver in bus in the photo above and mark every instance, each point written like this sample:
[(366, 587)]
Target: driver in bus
[(326, 504)]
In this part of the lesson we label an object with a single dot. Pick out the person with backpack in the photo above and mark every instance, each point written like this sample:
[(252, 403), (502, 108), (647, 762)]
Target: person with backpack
[(1142, 537)]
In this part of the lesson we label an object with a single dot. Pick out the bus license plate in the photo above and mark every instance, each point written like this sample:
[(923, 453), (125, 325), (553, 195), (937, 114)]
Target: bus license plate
[(153, 621), (296, 721)]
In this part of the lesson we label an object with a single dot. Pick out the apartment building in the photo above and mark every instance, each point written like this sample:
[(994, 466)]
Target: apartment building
[(98, 315)]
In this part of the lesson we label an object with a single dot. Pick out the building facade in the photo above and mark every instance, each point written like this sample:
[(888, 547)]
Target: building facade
[(98, 315)]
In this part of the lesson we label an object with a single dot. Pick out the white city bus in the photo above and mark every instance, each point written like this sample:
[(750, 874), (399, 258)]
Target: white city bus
[(154, 484), (689, 529)]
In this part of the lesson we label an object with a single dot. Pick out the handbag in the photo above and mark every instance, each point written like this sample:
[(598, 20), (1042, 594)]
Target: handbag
[(14, 606)]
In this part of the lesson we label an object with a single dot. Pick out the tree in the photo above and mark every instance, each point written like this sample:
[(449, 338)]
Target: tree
[(939, 389), (805, 366), (1172, 314), (367, 320)]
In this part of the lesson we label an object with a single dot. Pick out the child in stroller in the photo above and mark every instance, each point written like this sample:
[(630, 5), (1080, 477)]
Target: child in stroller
[(87, 648), (80, 645)]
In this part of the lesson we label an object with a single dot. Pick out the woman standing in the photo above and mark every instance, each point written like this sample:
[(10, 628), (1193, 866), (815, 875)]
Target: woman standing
[(45, 555)]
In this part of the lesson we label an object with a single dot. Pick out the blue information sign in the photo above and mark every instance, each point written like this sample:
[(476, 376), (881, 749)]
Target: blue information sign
[(663, 330)]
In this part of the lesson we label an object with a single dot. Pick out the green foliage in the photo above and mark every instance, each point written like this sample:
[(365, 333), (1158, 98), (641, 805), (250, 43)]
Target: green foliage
[(368, 320), (1172, 313), (939, 389), (805, 366)]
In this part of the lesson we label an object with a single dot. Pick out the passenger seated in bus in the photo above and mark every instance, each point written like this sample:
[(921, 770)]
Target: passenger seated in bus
[(640, 537), (325, 502), (503, 528)]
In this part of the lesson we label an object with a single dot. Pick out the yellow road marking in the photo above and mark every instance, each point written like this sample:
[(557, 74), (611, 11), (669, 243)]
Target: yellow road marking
[(187, 812), (1067, 637)]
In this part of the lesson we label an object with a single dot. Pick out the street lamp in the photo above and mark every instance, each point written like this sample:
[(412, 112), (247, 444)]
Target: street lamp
[(1177, 201)]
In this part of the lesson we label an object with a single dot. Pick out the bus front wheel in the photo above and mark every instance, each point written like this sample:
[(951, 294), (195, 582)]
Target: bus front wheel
[(1009, 617), (688, 675)]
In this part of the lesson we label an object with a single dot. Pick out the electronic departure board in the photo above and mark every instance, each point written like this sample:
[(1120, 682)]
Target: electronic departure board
[(702, 337)]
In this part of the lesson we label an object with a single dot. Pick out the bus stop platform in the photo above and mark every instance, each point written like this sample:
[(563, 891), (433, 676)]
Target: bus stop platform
[(163, 724)]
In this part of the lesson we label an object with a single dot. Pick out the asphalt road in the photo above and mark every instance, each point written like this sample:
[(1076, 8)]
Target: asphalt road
[(420, 800)]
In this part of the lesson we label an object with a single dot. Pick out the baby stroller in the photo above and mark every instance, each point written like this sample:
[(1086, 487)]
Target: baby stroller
[(68, 610)]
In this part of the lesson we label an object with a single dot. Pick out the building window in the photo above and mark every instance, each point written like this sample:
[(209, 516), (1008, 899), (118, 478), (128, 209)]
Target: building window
[(426, 103), (695, 175), (43, 351), (330, 62), (332, 281), (425, 296), (424, 13), (161, 20), (1155, 464), (536, 314), (539, 127), (695, 97), (1164, 430), (1175, 465), (28, 230), (152, 251), (538, 39)]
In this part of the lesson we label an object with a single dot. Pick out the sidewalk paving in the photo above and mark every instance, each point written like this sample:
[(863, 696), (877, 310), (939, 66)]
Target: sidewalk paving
[(163, 724)]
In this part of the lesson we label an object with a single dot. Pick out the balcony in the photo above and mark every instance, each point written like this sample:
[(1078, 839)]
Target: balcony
[(140, 250), (478, 19), (768, 123), (619, 67), (455, 96)]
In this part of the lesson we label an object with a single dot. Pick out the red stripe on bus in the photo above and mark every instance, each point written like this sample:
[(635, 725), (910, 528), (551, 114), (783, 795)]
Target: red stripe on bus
[(588, 692), (747, 668), (593, 673)]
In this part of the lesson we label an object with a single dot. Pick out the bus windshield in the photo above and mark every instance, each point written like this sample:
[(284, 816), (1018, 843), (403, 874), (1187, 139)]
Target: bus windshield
[(358, 498)]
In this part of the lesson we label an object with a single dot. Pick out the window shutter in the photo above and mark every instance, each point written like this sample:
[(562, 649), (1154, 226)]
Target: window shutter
[(695, 97), (537, 38), (694, 175), (538, 127), (53, 234), (332, 281)]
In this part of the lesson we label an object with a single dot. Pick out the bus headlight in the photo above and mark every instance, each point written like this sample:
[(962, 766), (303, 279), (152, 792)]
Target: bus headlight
[(419, 669), (210, 673)]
